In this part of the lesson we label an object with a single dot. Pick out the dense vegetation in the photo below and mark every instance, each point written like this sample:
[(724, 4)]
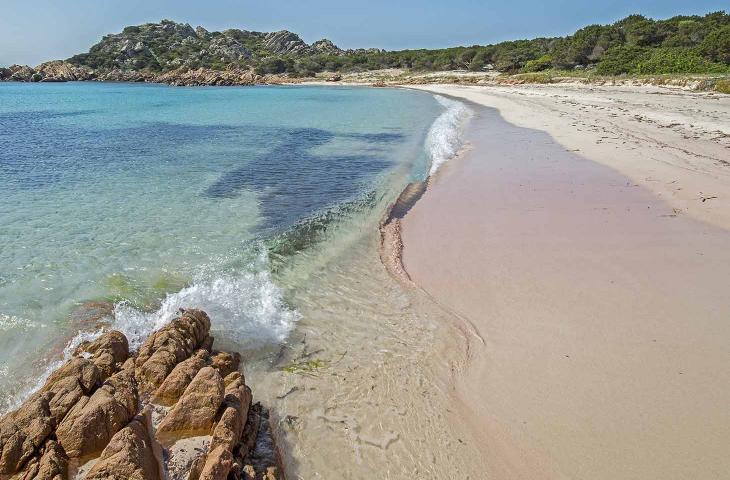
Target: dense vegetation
[(634, 45)]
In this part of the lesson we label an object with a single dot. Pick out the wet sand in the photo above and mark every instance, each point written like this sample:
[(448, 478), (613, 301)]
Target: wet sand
[(600, 308)]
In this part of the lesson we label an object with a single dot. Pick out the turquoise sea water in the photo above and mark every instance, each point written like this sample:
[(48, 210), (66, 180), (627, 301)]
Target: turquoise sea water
[(144, 198)]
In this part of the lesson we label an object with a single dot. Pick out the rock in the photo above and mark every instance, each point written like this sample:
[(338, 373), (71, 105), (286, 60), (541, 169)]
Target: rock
[(335, 78), (285, 42), (249, 473), (94, 420), (217, 464), (326, 47), (108, 352), (226, 363), (52, 464), (79, 413), (60, 71), (169, 346), (228, 430), (112, 342), (130, 454), (195, 412), (66, 393), (234, 377), (250, 431), (24, 431), (21, 73), (208, 343), (175, 384), (81, 369)]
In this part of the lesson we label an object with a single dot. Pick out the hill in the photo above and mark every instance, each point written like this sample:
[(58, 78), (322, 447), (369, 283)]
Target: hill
[(178, 53)]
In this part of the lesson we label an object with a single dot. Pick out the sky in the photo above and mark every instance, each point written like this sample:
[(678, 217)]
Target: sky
[(33, 31)]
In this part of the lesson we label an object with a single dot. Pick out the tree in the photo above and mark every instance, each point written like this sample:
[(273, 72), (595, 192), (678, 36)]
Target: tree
[(716, 45)]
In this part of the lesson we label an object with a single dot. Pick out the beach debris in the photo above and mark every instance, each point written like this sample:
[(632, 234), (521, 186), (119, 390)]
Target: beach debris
[(308, 367), (175, 409)]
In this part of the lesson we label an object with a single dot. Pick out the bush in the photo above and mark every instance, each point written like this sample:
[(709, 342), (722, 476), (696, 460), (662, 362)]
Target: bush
[(676, 60), (542, 63), (723, 86), (620, 60), (716, 45), (271, 65)]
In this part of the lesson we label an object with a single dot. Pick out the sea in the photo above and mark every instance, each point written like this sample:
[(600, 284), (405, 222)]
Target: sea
[(122, 203)]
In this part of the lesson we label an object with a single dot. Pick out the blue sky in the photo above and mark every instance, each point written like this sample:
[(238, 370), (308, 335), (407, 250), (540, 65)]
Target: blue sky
[(32, 31)]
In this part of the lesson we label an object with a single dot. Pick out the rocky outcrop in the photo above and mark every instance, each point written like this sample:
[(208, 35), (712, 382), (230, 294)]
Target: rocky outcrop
[(174, 409), (195, 412), (178, 380), (108, 352), (55, 71), (225, 362), (284, 42), (24, 431), (94, 420), (169, 346), (326, 47), (60, 71), (130, 455), (50, 464)]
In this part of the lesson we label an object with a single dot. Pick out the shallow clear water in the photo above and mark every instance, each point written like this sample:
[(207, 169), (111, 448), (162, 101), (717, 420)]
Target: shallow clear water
[(148, 197)]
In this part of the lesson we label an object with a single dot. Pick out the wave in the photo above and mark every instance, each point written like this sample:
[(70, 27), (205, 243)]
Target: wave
[(445, 137), (247, 308)]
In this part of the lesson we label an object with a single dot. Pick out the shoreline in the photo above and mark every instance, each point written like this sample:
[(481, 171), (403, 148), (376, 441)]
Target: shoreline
[(496, 270)]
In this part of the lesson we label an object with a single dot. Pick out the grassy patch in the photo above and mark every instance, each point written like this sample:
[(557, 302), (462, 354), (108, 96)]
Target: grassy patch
[(723, 86)]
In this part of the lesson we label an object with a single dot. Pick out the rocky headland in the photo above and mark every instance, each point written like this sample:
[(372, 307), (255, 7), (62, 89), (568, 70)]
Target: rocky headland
[(175, 409)]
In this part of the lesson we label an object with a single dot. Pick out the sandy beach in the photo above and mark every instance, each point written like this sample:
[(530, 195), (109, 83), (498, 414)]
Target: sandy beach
[(584, 235)]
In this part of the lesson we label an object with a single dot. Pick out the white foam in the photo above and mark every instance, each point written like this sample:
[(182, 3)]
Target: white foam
[(445, 137), (247, 309)]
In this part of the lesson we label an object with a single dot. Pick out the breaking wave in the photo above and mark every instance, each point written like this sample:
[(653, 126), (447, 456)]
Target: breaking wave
[(248, 308), (444, 139)]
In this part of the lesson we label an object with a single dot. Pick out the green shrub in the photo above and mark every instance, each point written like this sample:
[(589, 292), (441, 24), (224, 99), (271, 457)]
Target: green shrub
[(620, 60), (676, 60), (538, 65), (716, 45), (535, 77), (723, 86)]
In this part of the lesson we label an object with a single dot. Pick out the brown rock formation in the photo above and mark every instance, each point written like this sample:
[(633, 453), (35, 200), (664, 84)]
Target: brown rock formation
[(217, 465), (226, 363), (108, 352), (195, 412), (90, 406), (175, 384), (129, 456), (169, 346), (93, 421), (60, 71), (51, 464), (23, 432)]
